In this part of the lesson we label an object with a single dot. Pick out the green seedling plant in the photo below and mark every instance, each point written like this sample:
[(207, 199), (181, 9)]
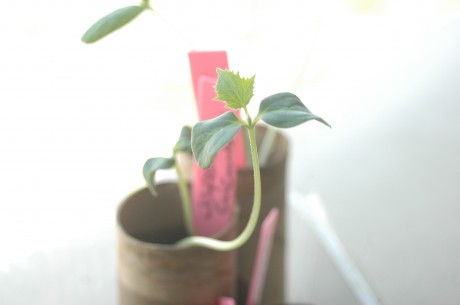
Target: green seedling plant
[(282, 110), (153, 165), (207, 138)]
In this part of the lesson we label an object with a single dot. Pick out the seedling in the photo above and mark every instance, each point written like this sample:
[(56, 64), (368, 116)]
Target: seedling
[(282, 110)]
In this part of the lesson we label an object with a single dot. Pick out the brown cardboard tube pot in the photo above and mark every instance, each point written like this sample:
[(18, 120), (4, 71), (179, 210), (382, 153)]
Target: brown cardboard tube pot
[(151, 270), (273, 180)]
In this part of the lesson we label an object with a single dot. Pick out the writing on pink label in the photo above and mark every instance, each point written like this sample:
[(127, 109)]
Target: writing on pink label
[(214, 195), (213, 190)]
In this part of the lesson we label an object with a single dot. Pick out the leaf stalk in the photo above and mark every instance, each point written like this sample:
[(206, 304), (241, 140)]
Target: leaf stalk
[(185, 198)]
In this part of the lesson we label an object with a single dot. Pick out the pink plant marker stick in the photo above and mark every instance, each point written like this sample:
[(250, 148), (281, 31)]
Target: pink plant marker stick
[(226, 301), (203, 66), (259, 272), (213, 190)]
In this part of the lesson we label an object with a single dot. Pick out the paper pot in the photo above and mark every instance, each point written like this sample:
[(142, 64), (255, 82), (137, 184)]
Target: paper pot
[(273, 195), (151, 270)]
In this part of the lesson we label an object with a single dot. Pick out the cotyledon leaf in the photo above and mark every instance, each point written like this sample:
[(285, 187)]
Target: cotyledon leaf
[(285, 110), (111, 22), (151, 166), (208, 137)]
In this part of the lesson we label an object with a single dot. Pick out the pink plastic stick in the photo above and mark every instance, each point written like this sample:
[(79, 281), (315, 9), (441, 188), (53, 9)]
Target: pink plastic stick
[(226, 301), (213, 190), (259, 272), (203, 66)]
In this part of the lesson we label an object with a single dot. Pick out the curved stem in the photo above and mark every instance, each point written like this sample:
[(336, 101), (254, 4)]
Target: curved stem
[(146, 4), (220, 245), (185, 199)]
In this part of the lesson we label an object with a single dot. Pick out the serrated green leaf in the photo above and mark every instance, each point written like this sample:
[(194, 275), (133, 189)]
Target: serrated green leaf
[(234, 90), (184, 144), (208, 137), (151, 166), (111, 22), (285, 110)]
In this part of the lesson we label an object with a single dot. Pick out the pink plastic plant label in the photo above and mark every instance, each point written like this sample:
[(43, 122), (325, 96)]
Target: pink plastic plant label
[(264, 247), (226, 301), (213, 190)]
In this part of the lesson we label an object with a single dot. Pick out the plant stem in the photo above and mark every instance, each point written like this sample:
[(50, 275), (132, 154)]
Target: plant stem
[(220, 245), (185, 199), (248, 117)]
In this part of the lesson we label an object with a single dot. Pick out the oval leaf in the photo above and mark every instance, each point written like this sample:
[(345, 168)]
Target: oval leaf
[(208, 137), (185, 140), (111, 22), (285, 110), (151, 166)]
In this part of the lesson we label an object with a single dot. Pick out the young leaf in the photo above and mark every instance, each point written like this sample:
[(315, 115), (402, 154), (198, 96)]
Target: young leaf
[(151, 166), (285, 110), (184, 144), (208, 137), (234, 90), (111, 22)]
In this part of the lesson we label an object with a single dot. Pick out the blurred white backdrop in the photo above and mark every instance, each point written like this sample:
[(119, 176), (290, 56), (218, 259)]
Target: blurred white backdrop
[(78, 121)]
